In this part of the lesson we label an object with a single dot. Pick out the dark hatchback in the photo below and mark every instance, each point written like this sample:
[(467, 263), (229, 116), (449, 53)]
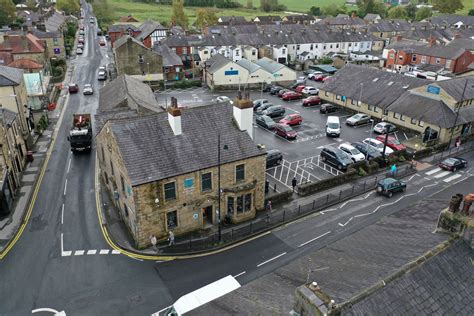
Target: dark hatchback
[(453, 164), (389, 186), (328, 108), (275, 90), (274, 158), (274, 111), (285, 131), (265, 122), (368, 151), (262, 108), (336, 157)]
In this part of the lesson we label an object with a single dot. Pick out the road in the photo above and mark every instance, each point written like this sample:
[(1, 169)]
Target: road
[(62, 262)]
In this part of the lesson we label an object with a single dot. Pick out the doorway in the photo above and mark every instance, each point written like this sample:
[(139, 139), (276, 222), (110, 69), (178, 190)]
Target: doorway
[(207, 215)]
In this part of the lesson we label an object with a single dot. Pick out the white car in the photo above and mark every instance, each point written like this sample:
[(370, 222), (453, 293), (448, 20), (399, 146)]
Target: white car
[(383, 127), (310, 91), (377, 145), (88, 90), (301, 80), (352, 152), (314, 74), (79, 51), (224, 98)]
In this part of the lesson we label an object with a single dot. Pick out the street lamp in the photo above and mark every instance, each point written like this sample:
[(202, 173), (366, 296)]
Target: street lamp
[(219, 184), (457, 114)]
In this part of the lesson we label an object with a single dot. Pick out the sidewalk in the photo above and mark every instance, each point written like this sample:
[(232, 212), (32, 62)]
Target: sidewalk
[(10, 225)]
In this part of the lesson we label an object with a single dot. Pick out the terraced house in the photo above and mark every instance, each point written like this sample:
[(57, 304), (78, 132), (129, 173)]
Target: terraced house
[(165, 170)]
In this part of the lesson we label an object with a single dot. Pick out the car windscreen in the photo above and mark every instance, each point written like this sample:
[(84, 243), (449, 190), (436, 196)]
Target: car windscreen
[(286, 128), (333, 125)]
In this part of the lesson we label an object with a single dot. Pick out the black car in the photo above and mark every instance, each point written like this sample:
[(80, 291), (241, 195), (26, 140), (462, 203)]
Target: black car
[(262, 108), (368, 151), (453, 164), (336, 157), (274, 158), (274, 111), (389, 186), (267, 88), (275, 90), (328, 108), (265, 122), (257, 103)]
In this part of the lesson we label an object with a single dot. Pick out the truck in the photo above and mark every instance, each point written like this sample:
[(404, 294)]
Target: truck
[(80, 135)]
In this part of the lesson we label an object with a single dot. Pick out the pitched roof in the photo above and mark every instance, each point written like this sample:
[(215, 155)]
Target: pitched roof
[(374, 82), (232, 19), (455, 88), (10, 76), (128, 18), (269, 65), (268, 18), (170, 58), (5, 58), (451, 19), (54, 22), (25, 64), (17, 44), (216, 62), (152, 152), (41, 34), (125, 39), (371, 16), (247, 64), (7, 116), (123, 28), (147, 28)]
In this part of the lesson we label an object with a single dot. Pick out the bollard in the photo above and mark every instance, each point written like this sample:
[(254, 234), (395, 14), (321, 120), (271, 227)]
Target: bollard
[(313, 203), (284, 215), (299, 208), (275, 188)]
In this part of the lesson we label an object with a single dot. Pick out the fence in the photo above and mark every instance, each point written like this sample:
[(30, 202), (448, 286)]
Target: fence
[(438, 157), (271, 220)]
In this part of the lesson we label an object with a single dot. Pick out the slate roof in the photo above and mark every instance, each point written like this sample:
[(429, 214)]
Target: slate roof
[(371, 17), (14, 44), (342, 20), (380, 88), (389, 26), (151, 152), (7, 116), (269, 65), (128, 18), (451, 19), (10, 76), (216, 62), (122, 27), (295, 18), (250, 66), (124, 39), (41, 34), (232, 19), (170, 58), (455, 87), (268, 18), (147, 28), (467, 43)]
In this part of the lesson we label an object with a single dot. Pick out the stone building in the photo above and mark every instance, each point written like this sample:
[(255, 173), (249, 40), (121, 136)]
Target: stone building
[(162, 169)]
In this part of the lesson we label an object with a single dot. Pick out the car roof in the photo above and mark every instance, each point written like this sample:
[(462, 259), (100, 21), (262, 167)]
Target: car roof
[(348, 146), (273, 151), (389, 181)]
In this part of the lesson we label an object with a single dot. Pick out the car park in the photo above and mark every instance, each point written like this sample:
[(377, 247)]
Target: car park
[(73, 88), (102, 75), (335, 157), (274, 111), (328, 108), (392, 142), (358, 119), (274, 158), (79, 51), (377, 145), (389, 186), (312, 100), (352, 152), (262, 108), (257, 103), (368, 151), (88, 90), (265, 122), (333, 126), (300, 88), (310, 90), (453, 164), (275, 89), (308, 72), (285, 131), (291, 95), (282, 92), (292, 119), (384, 127)]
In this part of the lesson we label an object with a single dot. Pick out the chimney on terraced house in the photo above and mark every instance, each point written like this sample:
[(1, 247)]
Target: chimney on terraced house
[(174, 117), (243, 113)]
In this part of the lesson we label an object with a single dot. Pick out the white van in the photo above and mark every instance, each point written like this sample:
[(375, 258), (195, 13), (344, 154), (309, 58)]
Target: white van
[(333, 126)]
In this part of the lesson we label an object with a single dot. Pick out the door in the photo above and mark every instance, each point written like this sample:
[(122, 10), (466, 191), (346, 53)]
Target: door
[(207, 215)]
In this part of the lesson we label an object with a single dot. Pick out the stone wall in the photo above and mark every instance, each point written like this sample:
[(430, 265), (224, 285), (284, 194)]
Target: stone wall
[(127, 60)]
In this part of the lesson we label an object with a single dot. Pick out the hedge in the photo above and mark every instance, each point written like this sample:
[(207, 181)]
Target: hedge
[(313, 187)]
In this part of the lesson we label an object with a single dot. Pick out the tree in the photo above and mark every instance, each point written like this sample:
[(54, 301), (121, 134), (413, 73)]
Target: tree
[(334, 10), (423, 13), (397, 13), (7, 13), (68, 6), (447, 6), (315, 11), (371, 6), (205, 17), (410, 9), (471, 12), (249, 4), (178, 17), (103, 13)]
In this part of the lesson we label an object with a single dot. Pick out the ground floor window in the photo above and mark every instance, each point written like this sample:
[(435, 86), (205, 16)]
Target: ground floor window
[(244, 203), (230, 204), (172, 219)]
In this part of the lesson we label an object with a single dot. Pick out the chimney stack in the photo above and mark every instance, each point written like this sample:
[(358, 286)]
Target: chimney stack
[(243, 113), (457, 35), (432, 41), (398, 38), (174, 117)]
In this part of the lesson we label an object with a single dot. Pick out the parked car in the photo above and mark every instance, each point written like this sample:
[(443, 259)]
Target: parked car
[(82, 32), (102, 75), (326, 78), (80, 39), (352, 152), (300, 88), (308, 72), (257, 103), (265, 122), (301, 80), (91, 20), (294, 85), (312, 100), (223, 98), (368, 151), (282, 92), (102, 42), (384, 127), (267, 88), (291, 95), (275, 89), (389, 186), (80, 45), (453, 164), (358, 119), (285, 131), (262, 108), (328, 108), (292, 119), (392, 142), (81, 27), (88, 90), (314, 74), (377, 145), (274, 158), (310, 91), (73, 88), (319, 77), (274, 111), (79, 51), (335, 157)]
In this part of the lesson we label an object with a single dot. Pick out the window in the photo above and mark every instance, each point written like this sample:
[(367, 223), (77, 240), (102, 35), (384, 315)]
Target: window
[(311, 47), (55, 42), (247, 202), (206, 52), (421, 123), (237, 53), (283, 51), (413, 57), (330, 46), (438, 60), (185, 50), (338, 97), (413, 121), (106, 178), (376, 109), (402, 117), (396, 115), (239, 172), (350, 44), (423, 59), (240, 204), (381, 34), (170, 191), (391, 56), (298, 47), (337, 45), (353, 102), (123, 183), (230, 204), (254, 53), (173, 49), (326, 93), (385, 112), (369, 107), (324, 47), (141, 60), (206, 181), (172, 219), (448, 64), (400, 57), (103, 153)]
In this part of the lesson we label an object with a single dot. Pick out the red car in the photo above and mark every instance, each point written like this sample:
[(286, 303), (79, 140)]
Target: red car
[(320, 77), (300, 88), (312, 100), (73, 88), (292, 119), (392, 142), (325, 78), (285, 131), (291, 95), (81, 40)]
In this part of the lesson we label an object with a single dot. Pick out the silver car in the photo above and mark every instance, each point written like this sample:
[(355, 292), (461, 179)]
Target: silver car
[(88, 90), (358, 119)]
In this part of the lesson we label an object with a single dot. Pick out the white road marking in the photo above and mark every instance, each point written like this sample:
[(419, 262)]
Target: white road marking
[(135, 258), (442, 174), (65, 187), (427, 186), (433, 171), (62, 215), (241, 273), (316, 238), (79, 252), (454, 177), (48, 310), (271, 259), (161, 310), (330, 210), (320, 147), (64, 253), (411, 177), (115, 252), (91, 252), (69, 165), (342, 225), (104, 252)]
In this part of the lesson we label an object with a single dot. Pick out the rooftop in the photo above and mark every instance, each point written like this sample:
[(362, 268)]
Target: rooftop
[(250, 66), (269, 65), (216, 62), (10, 76)]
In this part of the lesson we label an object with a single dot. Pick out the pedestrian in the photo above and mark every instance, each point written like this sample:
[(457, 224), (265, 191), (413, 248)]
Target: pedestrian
[(393, 170), (293, 183), (153, 242), (267, 219), (269, 206), (171, 238)]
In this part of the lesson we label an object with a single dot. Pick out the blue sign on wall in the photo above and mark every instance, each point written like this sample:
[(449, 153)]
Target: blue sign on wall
[(433, 89), (231, 73), (188, 183), (57, 51)]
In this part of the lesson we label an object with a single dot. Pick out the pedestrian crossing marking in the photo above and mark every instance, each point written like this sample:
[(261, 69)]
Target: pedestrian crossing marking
[(442, 174), (79, 252), (91, 252), (115, 252), (452, 178), (433, 171), (104, 252)]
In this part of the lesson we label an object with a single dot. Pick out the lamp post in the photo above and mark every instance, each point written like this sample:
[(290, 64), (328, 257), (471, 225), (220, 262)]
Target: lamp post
[(360, 94), (457, 114), (219, 227)]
